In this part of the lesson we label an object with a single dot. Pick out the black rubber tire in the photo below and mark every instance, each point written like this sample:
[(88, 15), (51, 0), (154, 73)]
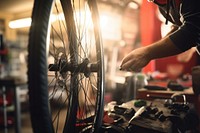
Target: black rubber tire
[(37, 75)]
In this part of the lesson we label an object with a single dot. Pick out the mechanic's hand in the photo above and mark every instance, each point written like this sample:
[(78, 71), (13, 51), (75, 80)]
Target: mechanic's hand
[(135, 60)]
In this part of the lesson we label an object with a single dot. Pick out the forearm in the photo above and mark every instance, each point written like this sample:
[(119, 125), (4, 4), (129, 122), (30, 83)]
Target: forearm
[(140, 57), (162, 48)]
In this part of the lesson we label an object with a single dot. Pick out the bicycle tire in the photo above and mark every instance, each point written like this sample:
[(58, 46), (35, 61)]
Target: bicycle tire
[(70, 69)]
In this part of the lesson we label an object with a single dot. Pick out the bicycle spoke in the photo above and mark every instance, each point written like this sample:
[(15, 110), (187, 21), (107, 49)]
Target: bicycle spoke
[(70, 49)]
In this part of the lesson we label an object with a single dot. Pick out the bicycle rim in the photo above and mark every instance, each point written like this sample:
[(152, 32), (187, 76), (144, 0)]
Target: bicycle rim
[(65, 67)]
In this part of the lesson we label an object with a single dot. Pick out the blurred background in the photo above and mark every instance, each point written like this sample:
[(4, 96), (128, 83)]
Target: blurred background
[(125, 25)]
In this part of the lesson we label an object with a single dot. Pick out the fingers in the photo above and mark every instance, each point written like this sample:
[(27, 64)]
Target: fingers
[(132, 62), (122, 67), (126, 62), (135, 60), (127, 58), (126, 65), (129, 66)]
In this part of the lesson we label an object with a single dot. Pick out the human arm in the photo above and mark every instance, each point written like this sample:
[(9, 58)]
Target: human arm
[(139, 58), (180, 40)]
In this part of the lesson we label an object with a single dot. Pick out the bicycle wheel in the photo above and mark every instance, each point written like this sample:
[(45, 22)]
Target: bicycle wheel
[(65, 67)]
